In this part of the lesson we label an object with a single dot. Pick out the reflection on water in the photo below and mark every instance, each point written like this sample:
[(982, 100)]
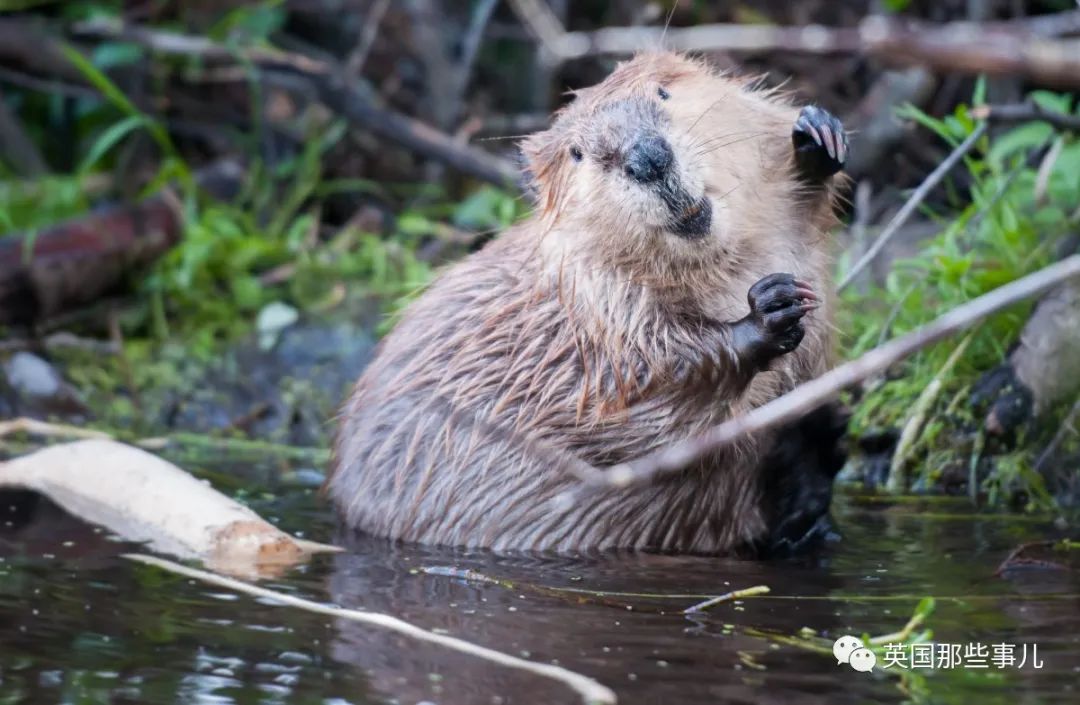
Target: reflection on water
[(82, 625)]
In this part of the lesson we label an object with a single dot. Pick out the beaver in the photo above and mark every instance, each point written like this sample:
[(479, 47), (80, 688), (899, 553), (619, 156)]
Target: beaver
[(664, 282)]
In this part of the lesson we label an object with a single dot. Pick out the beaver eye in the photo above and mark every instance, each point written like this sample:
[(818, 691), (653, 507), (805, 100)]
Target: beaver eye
[(576, 154), (664, 95)]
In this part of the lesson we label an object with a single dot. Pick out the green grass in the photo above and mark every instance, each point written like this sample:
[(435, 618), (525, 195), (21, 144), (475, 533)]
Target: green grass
[(1005, 226)]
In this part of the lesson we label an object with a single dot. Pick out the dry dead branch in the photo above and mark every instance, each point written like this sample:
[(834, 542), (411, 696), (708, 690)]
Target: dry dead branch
[(336, 88), (809, 396), (1023, 47)]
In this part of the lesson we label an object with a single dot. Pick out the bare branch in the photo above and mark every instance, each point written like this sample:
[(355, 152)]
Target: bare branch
[(813, 394), (355, 63), (912, 203), (351, 98), (1017, 47), (1026, 112), (543, 24)]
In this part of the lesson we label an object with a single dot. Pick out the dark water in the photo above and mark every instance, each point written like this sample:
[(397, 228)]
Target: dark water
[(81, 625)]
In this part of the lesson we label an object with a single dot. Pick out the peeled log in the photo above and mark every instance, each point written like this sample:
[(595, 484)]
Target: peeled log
[(1047, 360), (1043, 369), (142, 498)]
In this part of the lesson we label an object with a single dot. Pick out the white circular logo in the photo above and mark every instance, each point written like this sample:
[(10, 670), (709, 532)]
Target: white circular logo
[(852, 651)]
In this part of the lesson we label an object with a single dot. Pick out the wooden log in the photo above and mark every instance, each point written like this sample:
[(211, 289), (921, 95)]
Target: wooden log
[(142, 498), (75, 262)]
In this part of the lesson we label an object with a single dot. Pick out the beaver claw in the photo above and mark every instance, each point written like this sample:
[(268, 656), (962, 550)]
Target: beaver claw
[(821, 145), (774, 327)]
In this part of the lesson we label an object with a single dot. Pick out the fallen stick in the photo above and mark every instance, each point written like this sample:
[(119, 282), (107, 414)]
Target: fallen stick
[(1026, 112), (76, 261), (591, 692), (143, 498), (754, 591), (1021, 47), (809, 396)]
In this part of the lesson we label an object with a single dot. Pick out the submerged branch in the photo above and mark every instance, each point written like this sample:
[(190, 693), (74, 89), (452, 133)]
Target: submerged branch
[(754, 591), (809, 396), (591, 691)]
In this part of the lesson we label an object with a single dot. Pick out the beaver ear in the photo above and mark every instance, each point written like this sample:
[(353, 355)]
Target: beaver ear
[(542, 156), (529, 186)]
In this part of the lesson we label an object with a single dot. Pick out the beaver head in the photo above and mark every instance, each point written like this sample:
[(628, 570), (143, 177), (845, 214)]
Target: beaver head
[(667, 160)]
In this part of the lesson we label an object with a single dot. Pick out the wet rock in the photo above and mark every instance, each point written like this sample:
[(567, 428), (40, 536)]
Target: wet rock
[(285, 393), (38, 389)]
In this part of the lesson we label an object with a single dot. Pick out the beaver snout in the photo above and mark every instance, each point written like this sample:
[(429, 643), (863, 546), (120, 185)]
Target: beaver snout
[(649, 159)]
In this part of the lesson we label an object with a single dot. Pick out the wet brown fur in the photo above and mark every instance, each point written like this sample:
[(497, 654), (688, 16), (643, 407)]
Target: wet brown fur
[(584, 334)]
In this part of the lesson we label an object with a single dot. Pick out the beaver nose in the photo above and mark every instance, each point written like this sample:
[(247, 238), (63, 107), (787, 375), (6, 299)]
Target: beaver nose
[(649, 159)]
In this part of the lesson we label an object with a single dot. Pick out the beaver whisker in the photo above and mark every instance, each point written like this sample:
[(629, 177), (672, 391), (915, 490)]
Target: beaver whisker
[(703, 114), (716, 138), (714, 148)]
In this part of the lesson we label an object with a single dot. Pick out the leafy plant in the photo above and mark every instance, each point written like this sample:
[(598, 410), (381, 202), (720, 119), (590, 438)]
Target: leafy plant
[(1006, 223)]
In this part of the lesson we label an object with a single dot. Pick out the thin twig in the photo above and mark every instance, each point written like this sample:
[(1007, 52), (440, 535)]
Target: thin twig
[(1015, 554), (474, 35), (901, 636), (728, 597), (1026, 112), (811, 395), (47, 430), (355, 63), (1068, 425), (543, 24), (912, 203), (589, 690)]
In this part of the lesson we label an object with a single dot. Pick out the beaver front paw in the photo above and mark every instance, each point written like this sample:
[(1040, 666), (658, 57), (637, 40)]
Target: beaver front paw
[(774, 327), (821, 145)]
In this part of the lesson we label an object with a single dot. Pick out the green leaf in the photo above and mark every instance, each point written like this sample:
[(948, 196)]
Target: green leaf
[(979, 96), (1054, 102), (109, 139), (1026, 136), (940, 128), (116, 97), (409, 223), (112, 54)]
